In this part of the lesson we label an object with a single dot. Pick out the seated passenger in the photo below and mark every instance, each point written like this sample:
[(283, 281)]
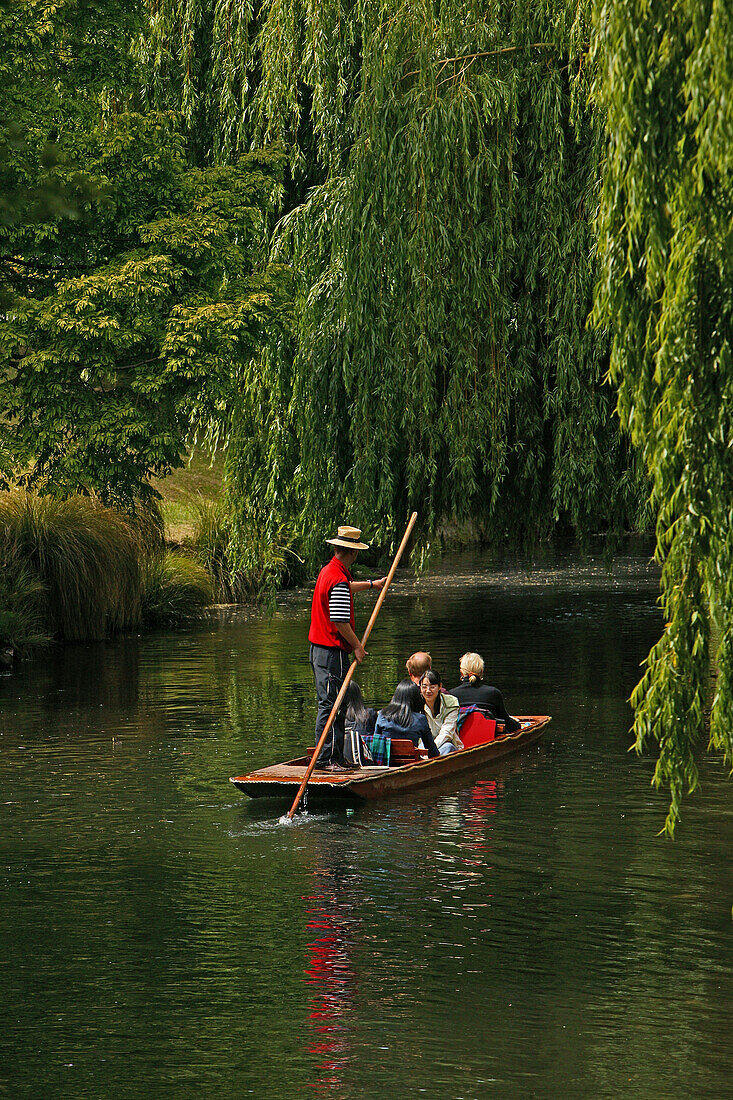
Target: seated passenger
[(417, 665), (358, 715), (441, 711), (358, 724), (472, 691), (403, 717)]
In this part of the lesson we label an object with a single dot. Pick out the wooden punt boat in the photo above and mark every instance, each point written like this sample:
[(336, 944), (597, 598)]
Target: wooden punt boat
[(283, 780)]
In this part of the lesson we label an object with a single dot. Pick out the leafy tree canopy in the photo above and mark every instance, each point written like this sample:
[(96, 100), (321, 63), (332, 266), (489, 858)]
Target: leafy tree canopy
[(134, 300), (58, 61)]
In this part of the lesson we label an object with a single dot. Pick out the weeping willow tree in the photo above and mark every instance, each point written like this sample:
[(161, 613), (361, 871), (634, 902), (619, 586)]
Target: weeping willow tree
[(666, 292), (444, 249), (447, 161)]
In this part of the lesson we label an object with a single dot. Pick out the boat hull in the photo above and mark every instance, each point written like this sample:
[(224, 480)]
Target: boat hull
[(284, 780)]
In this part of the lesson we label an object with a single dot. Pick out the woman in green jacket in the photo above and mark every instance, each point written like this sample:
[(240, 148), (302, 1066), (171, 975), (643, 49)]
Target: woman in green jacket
[(441, 711)]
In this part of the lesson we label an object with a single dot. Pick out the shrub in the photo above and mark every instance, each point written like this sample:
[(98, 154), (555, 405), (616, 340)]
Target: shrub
[(77, 570), (269, 562), (175, 589), (210, 544)]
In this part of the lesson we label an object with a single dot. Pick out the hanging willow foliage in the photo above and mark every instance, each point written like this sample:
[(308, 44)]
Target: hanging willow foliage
[(666, 292), (446, 261), (198, 58), (443, 359)]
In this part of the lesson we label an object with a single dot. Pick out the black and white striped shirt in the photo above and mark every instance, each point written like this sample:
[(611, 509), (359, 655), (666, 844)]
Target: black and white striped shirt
[(339, 603)]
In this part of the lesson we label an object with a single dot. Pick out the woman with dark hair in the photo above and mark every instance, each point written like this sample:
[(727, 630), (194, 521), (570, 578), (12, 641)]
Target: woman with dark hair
[(441, 711), (358, 715), (403, 717), (358, 724), (472, 691)]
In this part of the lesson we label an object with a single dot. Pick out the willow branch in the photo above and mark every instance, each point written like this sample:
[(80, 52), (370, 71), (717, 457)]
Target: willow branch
[(487, 53)]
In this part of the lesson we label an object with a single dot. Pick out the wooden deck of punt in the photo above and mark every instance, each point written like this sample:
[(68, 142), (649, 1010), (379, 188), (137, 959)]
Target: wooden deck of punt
[(283, 780)]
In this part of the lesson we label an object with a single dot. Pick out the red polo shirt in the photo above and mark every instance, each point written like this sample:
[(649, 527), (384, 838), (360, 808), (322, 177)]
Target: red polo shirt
[(323, 631)]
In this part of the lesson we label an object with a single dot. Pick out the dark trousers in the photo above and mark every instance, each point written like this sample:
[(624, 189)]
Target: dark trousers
[(329, 665)]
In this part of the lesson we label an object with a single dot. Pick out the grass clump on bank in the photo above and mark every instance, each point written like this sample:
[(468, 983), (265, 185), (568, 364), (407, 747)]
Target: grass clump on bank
[(76, 570), (22, 616), (83, 557)]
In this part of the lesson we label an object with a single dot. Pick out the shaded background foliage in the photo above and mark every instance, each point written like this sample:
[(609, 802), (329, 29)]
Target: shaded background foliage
[(59, 62)]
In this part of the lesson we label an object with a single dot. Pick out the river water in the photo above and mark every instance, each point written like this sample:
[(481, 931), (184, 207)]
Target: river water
[(519, 933)]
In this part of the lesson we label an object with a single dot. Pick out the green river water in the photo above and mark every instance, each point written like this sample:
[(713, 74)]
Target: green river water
[(521, 933)]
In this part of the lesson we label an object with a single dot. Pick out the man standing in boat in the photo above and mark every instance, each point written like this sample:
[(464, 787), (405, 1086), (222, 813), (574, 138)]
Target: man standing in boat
[(332, 638)]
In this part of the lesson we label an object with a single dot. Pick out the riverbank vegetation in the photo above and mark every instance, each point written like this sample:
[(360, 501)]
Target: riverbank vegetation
[(75, 570), (383, 256)]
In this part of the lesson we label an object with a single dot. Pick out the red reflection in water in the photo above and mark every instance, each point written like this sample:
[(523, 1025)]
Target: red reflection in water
[(484, 795), (483, 804), (328, 972)]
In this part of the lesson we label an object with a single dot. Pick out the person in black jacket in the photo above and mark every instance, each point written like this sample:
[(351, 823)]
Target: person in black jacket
[(473, 691)]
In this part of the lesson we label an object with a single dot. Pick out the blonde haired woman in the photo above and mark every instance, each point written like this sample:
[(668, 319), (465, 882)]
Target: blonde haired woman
[(472, 668), (472, 691)]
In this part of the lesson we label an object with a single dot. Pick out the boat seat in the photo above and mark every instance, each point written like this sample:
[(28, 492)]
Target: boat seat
[(402, 751), (477, 729)]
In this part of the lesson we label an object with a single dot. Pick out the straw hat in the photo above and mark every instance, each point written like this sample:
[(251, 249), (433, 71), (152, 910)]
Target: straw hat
[(348, 537)]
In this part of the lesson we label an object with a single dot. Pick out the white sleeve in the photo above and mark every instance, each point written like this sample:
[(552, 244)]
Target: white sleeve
[(339, 603)]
